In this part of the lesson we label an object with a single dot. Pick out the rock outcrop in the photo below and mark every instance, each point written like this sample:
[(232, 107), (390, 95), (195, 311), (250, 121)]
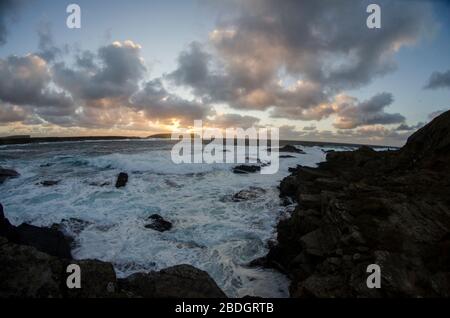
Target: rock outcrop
[(389, 208)]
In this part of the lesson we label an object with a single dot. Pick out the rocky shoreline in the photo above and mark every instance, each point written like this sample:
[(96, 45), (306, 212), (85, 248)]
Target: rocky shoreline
[(364, 207)]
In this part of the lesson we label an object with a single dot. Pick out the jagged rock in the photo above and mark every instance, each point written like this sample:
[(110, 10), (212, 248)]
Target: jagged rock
[(122, 180), (181, 281), (242, 169), (158, 223), (7, 173)]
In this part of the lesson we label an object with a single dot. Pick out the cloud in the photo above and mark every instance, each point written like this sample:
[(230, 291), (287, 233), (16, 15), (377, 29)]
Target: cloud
[(233, 120), (47, 49), (439, 80), (405, 127), (8, 9), (11, 113), (352, 114), (115, 71), (29, 84), (433, 115), (158, 104), (324, 47)]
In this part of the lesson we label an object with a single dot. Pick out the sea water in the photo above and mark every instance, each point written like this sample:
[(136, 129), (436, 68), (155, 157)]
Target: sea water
[(210, 231)]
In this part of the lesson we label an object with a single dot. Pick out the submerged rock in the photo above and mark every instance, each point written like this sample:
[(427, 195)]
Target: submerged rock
[(158, 223), (248, 194), (49, 183), (7, 173), (243, 169), (122, 180)]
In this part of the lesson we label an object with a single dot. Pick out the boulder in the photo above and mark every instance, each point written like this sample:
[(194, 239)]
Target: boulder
[(181, 281), (158, 223), (122, 180)]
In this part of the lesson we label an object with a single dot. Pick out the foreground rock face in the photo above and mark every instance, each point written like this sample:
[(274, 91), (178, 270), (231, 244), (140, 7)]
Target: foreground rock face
[(365, 207)]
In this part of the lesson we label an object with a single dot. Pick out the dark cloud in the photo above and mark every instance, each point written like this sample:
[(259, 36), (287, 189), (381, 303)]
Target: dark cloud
[(325, 44), (439, 80), (115, 71), (352, 114), (11, 113), (158, 104), (29, 84)]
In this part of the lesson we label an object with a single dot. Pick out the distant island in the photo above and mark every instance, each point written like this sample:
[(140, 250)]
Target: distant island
[(25, 139)]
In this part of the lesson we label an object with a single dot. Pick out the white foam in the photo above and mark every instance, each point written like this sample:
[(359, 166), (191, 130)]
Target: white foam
[(209, 232)]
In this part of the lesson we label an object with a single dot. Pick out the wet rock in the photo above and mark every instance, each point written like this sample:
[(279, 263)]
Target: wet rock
[(7, 174), (122, 180), (181, 281), (158, 223), (286, 156), (49, 183), (243, 169), (290, 148), (248, 194), (46, 240), (389, 208)]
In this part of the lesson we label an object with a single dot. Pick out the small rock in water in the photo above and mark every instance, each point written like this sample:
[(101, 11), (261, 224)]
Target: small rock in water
[(7, 173), (246, 169), (286, 156), (158, 223), (122, 180), (290, 148), (49, 183)]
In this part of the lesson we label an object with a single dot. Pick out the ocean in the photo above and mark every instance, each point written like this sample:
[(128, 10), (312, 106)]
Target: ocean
[(210, 230)]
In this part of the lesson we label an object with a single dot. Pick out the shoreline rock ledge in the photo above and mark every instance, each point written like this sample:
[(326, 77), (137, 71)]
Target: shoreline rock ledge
[(389, 208)]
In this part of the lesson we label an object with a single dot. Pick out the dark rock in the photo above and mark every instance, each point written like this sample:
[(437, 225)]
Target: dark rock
[(7, 173), (286, 156), (100, 184), (242, 169), (122, 180), (290, 148), (158, 223), (49, 183), (46, 240), (181, 281)]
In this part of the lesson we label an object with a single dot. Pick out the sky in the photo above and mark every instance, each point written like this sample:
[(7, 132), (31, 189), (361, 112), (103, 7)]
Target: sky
[(311, 68)]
